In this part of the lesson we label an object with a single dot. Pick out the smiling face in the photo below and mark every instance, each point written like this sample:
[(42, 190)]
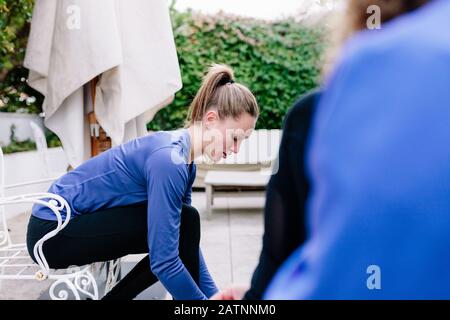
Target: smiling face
[(221, 137)]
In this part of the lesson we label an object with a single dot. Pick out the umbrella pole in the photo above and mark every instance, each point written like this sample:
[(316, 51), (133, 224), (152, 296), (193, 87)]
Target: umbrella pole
[(100, 142)]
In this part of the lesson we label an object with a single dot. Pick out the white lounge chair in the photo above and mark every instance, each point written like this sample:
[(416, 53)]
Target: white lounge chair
[(16, 264), (247, 172)]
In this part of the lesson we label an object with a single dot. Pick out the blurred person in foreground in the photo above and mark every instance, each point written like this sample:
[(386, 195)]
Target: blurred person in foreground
[(378, 218)]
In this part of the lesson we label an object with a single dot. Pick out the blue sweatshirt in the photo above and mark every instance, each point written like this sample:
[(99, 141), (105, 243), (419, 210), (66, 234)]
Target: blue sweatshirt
[(379, 159), (153, 168)]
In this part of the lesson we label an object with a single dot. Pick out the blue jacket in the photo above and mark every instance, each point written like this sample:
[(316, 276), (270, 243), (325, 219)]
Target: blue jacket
[(379, 159), (152, 168)]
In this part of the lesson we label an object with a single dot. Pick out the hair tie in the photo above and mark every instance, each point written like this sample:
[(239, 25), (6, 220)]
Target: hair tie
[(225, 81)]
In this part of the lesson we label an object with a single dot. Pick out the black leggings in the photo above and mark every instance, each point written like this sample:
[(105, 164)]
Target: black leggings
[(110, 234)]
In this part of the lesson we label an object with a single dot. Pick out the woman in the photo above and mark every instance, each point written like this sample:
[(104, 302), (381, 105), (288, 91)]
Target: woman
[(135, 198), (378, 214)]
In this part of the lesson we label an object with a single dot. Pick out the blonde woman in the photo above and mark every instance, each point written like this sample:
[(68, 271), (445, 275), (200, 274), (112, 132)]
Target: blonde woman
[(136, 197)]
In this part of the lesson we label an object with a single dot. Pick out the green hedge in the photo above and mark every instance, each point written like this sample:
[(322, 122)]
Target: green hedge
[(15, 94), (277, 61), (15, 16)]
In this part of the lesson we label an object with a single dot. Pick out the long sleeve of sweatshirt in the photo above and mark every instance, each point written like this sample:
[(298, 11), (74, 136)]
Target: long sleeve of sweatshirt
[(166, 183)]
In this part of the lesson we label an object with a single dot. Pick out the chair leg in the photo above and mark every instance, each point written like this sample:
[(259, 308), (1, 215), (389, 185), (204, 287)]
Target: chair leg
[(209, 201), (114, 273), (77, 282), (2, 271)]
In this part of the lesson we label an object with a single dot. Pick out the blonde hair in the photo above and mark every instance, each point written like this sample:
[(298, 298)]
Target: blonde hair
[(390, 9), (354, 19), (219, 91)]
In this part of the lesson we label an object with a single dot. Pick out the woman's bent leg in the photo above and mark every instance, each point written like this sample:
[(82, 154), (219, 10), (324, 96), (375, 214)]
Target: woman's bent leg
[(141, 277)]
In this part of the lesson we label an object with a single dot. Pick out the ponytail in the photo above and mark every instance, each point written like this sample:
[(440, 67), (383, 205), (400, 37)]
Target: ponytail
[(219, 91)]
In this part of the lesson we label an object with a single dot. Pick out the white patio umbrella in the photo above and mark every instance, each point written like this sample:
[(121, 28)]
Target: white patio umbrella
[(127, 43)]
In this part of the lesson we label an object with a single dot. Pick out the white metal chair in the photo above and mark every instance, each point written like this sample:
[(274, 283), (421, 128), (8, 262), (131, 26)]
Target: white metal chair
[(16, 264), (112, 267), (42, 148)]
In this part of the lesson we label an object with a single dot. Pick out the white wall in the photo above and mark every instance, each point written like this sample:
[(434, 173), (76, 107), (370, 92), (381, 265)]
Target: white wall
[(22, 121)]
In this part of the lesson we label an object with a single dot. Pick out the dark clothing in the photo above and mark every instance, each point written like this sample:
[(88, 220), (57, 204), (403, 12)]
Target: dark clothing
[(286, 196), (105, 235)]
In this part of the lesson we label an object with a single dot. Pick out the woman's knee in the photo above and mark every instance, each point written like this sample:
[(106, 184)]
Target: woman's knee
[(190, 223), (190, 215)]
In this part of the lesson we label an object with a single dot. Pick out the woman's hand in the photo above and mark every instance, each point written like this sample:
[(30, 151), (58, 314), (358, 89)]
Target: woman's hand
[(234, 292)]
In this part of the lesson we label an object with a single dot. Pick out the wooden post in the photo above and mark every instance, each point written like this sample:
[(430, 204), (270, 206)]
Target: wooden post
[(99, 140)]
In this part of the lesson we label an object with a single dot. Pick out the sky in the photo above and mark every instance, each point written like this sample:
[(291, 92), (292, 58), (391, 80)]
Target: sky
[(262, 9)]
